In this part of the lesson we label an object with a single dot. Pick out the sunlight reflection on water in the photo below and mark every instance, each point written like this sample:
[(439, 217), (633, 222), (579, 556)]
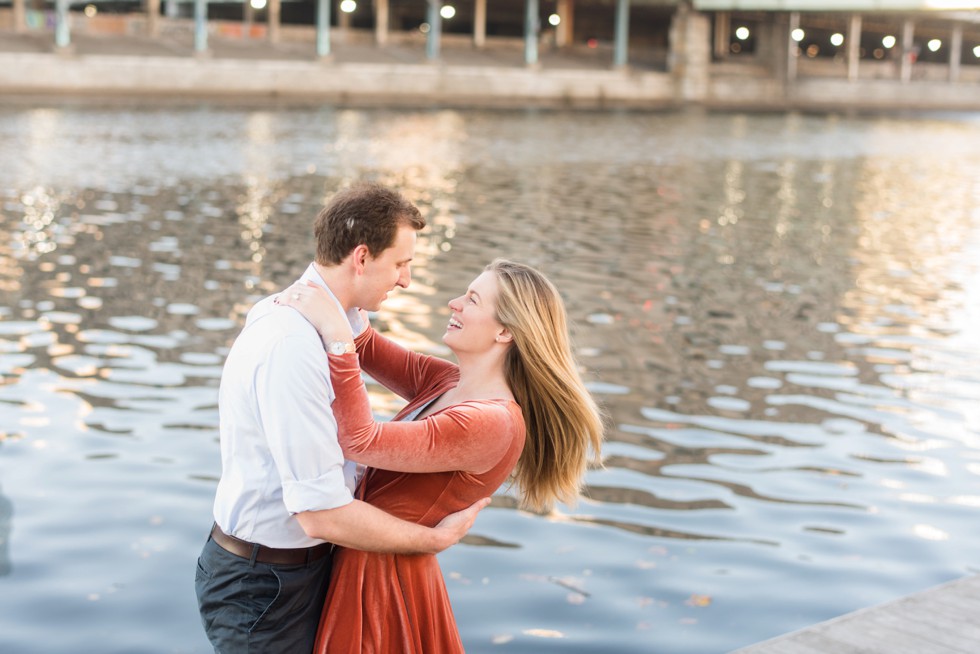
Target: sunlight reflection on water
[(775, 311)]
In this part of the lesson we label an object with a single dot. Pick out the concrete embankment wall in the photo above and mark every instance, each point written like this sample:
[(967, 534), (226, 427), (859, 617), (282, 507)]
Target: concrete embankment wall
[(166, 67), (455, 85), (347, 82), (822, 94)]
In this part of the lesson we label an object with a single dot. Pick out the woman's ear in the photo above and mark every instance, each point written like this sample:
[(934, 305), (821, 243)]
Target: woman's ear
[(504, 336)]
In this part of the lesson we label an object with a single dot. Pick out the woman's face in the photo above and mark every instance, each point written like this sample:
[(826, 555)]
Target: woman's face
[(473, 325)]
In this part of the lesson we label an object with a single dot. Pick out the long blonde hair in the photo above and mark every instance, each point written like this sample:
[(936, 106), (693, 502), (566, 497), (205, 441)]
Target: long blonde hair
[(564, 425)]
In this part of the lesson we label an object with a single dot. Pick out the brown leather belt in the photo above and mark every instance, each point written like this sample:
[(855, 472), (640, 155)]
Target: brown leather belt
[(271, 555)]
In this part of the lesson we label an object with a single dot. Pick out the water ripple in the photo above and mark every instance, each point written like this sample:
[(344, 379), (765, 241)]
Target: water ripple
[(780, 330)]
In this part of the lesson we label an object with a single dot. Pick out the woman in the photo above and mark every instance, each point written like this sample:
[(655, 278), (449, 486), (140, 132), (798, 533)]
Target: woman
[(514, 404)]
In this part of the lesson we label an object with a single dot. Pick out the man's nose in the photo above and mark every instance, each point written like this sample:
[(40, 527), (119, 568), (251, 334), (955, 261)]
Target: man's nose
[(405, 278)]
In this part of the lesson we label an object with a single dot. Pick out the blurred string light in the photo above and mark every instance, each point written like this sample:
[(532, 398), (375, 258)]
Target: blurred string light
[(554, 20), (976, 51), (348, 6), (798, 35), (934, 45), (257, 4), (742, 33), (91, 10), (836, 39), (447, 11), (888, 41)]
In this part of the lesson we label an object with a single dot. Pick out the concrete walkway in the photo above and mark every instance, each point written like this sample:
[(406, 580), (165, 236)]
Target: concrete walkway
[(124, 63), (940, 620), (356, 71)]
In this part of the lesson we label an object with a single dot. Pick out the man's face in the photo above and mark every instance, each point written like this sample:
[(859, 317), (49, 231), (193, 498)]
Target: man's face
[(389, 269)]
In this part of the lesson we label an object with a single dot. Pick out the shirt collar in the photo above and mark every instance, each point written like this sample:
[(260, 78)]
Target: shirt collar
[(353, 316)]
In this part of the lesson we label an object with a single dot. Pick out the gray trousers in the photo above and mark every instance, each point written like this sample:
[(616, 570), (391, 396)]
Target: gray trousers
[(258, 608)]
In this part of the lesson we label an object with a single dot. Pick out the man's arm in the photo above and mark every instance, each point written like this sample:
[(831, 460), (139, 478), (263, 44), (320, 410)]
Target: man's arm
[(360, 526), (293, 391)]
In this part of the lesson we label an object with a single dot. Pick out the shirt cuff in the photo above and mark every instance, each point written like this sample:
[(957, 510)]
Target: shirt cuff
[(315, 494)]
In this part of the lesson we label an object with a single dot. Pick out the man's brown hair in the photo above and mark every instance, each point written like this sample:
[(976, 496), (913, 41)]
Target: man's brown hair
[(366, 213)]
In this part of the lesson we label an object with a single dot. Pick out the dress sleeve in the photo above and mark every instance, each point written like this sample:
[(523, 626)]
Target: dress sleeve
[(398, 369), (471, 436)]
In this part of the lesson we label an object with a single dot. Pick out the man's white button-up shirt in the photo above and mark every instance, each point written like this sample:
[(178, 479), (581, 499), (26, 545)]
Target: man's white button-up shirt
[(279, 450)]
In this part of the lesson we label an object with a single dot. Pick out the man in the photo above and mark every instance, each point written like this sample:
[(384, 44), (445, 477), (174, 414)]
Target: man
[(284, 498)]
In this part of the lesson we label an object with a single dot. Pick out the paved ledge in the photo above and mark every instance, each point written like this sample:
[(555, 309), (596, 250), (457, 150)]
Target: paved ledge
[(940, 620), (22, 73), (356, 72), (166, 69)]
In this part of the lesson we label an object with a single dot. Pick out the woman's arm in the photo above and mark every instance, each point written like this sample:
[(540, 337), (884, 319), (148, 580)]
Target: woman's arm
[(400, 370), (472, 436), (391, 365)]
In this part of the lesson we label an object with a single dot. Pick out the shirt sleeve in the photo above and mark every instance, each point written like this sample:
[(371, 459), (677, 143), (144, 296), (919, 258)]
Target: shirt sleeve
[(293, 392), (471, 436)]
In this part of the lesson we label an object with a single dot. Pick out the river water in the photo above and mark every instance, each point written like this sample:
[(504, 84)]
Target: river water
[(777, 312)]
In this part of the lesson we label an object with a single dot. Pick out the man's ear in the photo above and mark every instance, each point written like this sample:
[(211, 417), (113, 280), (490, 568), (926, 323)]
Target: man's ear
[(359, 257), (504, 336)]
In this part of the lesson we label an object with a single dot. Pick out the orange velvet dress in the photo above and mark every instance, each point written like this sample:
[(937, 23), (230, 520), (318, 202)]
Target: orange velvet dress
[(397, 603)]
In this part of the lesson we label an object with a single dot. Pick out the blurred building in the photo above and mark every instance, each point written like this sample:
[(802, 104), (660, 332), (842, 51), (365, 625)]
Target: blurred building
[(765, 52)]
